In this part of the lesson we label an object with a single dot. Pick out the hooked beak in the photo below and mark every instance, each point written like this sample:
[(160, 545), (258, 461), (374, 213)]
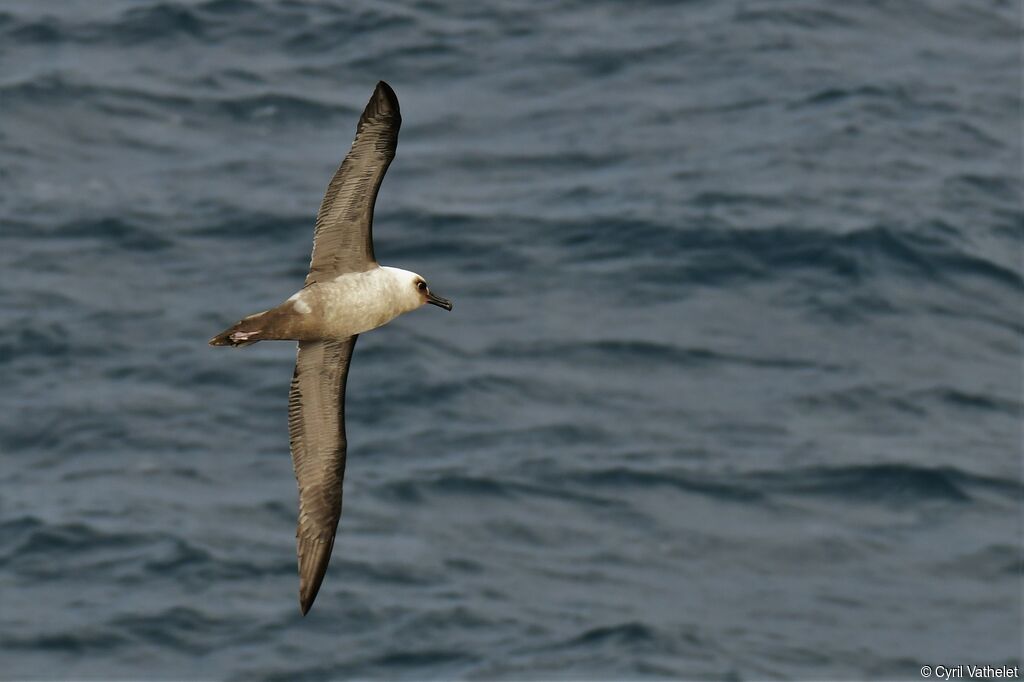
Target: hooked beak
[(439, 302)]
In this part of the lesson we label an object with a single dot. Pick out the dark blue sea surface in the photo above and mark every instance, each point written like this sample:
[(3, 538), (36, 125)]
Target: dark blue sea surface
[(731, 390)]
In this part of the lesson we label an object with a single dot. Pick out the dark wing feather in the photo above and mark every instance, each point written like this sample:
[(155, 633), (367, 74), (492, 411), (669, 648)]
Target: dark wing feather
[(343, 239), (316, 423)]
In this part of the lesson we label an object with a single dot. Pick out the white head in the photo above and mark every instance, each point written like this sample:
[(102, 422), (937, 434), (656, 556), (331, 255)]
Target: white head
[(412, 291)]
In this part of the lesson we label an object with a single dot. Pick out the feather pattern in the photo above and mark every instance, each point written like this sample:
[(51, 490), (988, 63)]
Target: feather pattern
[(316, 424), (346, 293), (343, 238)]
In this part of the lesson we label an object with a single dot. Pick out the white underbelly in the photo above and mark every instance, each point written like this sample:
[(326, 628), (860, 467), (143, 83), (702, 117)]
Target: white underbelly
[(355, 303)]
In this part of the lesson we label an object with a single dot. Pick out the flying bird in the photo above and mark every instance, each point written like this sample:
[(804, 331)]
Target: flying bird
[(345, 294)]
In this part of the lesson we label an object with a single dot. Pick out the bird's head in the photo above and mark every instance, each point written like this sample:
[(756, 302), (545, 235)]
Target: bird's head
[(414, 291)]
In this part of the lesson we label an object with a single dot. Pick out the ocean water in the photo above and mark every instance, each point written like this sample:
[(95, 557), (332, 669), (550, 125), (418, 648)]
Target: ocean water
[(731, 390)]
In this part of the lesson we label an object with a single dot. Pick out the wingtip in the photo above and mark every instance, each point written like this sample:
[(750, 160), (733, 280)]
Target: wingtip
[(307, 595), (386, 98), (314, 555)]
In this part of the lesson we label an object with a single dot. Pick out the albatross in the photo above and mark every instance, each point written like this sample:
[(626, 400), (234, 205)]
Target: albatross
[(345, 294)]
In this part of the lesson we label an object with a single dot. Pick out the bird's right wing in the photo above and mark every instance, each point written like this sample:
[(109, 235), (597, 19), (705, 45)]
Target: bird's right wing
[(316, 423), (343, 238)]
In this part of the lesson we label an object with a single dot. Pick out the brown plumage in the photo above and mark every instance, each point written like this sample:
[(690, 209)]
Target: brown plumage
[(343, 237), (345, 294), (270, 325), (316, 424)]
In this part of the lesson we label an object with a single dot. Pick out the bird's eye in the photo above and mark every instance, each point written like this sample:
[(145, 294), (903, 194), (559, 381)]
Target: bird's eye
[(421, 285)]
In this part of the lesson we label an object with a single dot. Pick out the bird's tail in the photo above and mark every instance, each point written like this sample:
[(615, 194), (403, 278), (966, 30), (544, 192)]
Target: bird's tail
[(243, 333)]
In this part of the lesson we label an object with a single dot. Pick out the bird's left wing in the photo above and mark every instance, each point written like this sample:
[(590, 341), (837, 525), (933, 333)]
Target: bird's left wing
[(316, 423), (343, 238)]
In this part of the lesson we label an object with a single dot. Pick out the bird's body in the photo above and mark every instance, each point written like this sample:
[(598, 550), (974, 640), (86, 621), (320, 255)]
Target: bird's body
[(346, 294), (349, 304)]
